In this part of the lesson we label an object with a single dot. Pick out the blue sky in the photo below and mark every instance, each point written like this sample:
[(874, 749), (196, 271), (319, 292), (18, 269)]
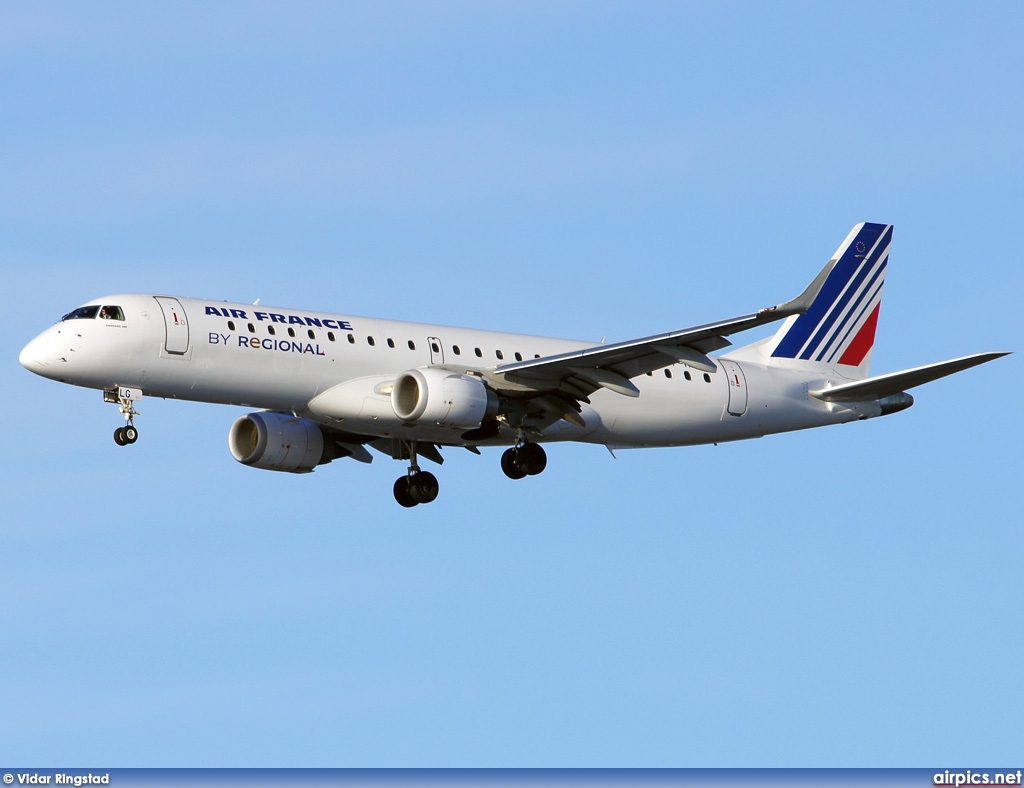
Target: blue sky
[(842, 597)]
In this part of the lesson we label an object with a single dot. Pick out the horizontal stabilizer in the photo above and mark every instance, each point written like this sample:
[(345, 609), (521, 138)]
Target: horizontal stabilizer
[(894, 383)]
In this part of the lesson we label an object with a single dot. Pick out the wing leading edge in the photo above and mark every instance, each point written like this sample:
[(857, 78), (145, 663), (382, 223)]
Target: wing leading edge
[(581, 372)]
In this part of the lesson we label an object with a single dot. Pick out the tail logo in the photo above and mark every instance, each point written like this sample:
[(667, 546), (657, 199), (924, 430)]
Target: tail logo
[(841, 322)]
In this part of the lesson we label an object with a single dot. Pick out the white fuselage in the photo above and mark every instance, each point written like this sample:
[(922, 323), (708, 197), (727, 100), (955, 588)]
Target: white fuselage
[(282, 359)]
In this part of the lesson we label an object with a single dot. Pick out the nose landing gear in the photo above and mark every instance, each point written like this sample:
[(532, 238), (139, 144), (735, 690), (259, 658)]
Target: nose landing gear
[(125, 398), (126, 435)]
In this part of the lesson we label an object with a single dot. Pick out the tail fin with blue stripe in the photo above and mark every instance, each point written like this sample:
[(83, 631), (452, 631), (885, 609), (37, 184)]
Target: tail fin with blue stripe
[(837, 332)]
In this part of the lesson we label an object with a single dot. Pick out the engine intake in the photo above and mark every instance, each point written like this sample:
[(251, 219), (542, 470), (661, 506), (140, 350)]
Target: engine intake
[(277, 442), (447, 399)]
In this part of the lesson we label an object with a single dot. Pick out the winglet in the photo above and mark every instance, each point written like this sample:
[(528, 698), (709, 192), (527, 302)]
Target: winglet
[(802, 302)]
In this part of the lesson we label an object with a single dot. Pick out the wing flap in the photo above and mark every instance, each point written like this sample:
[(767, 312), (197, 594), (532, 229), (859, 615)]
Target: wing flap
[(398, 450), (356, 451), (606, 378)]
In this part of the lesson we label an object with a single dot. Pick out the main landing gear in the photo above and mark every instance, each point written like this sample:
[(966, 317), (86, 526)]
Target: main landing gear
[(125, 399), (527, 459), (416, 486)]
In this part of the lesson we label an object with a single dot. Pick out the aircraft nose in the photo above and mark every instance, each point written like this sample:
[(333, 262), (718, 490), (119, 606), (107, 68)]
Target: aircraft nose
[(33, 356)]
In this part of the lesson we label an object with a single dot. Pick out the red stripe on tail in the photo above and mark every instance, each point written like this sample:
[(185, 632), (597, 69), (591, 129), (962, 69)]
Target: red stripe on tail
[(863, 342)]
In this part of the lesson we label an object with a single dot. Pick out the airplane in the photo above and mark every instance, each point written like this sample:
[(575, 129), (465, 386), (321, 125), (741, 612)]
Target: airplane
[(328, 386)]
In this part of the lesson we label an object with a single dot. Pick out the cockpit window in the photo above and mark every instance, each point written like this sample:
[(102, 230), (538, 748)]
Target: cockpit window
[(82, 313), (111, 313)]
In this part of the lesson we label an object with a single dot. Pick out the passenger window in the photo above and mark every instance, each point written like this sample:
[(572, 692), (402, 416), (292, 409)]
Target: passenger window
[(391, 342), (412, 345), (687, 375), (82, 313), (231, 325), (271, 331), (499, 354), (351, 339), (311, 334), (668, 373), (370, 341), (291, 332), (707, 378), (330, 335), (252, 329), (456, 350), (519, 356), (434, 347), (478, 353), (111, 313)]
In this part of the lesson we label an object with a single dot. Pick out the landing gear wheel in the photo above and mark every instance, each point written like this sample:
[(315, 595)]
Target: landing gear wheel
[(532, 458), (403, 494), (130, 433), (423, 487), (119, 437), (416, 486), (510, 465)]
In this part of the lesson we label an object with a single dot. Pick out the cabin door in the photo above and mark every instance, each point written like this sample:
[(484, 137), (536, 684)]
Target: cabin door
[(737, 387), (176, 325)]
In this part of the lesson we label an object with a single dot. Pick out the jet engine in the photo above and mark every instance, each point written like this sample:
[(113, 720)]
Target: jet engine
[(277, 442), (447, 399)]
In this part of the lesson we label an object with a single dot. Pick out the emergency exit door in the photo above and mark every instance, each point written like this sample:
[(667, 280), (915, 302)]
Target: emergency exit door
[(436, 350)]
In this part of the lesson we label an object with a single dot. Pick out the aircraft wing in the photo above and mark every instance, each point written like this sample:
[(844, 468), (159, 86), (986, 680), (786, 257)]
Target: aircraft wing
[(581, 372), (895, 382)]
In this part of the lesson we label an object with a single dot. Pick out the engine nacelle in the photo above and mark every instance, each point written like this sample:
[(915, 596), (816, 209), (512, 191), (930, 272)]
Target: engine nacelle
[(448, 399), (277, 442), (894, 403)]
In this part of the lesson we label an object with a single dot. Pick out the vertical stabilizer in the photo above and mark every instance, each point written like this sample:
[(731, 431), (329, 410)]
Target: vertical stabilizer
[(837, 332)]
